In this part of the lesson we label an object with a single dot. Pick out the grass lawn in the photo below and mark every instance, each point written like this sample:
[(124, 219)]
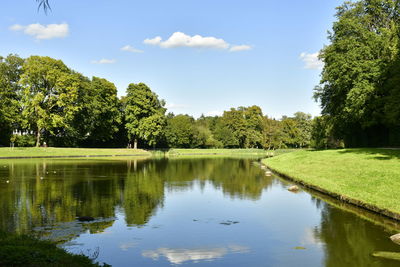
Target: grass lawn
[(53, 151), (27, 251), (219, 151), (371, 176)]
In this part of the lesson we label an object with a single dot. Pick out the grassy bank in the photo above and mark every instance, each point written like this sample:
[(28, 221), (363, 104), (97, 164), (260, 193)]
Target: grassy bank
[(220, 151), (34, 152), (67, 152), (27, 251), (366, 177)]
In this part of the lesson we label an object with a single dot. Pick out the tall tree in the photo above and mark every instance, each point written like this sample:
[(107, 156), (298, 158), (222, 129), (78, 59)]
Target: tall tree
[(144, 114), (103, 111), (10, 93), (49, 95), (364, 43)]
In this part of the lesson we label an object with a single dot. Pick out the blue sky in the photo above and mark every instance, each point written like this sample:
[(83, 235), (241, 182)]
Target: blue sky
[(254, 52)]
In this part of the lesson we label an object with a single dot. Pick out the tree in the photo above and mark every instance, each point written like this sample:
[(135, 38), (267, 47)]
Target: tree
[(180, 131), (304, 126), (352, 91), (49, 95), (144, 114), (10, 93), (273, 134), (102, 111)]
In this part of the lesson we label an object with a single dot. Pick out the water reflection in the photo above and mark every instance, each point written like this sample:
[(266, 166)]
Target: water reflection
[(49, 191), (219, 211), (179, 256)]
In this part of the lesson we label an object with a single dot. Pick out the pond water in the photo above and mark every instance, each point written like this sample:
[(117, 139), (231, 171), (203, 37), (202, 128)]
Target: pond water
[(199, 211)]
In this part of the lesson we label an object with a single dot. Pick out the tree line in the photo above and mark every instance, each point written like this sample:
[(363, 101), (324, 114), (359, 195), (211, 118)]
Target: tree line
[(43, 102), (359, 90)]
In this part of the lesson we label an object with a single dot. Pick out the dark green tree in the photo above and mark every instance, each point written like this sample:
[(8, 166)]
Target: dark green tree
[(10, 96), (364, 45), (144, 115)]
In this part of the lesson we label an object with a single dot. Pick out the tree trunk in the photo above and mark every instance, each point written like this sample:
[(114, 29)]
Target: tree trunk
[(38, 138), (135, 144)]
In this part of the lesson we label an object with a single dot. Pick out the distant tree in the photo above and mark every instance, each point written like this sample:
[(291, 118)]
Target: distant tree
[(290, 132), (235, 121), (180, 131), (225, 136), (273, 134), (246, 123), (144, 114), (304, 126)]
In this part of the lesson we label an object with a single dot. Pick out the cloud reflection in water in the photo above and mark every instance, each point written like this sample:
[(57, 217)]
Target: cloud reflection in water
[(181, 255)]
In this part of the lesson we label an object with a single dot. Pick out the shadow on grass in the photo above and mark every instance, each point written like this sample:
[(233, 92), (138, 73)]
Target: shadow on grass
[(378, 153)]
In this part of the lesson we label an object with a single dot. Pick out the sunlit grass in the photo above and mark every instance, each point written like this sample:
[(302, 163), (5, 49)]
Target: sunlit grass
[(53, 151), (368, 175)]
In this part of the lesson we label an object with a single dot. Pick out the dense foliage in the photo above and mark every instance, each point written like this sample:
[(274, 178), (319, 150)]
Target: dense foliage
[(43, 102), (360, 90)]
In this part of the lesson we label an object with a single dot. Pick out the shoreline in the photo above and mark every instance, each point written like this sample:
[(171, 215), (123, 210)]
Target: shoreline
[(366, 206), (55, 152), (75, 156)]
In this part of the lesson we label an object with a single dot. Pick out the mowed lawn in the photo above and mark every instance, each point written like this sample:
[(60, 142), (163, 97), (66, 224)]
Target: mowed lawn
[(225, 151), (368, 175), (55, 151)]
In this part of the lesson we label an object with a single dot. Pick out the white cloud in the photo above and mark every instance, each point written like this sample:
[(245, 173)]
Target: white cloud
[(214, 113), (237, 48), (104, 61), (43, 32), (154, 41), (130, 48), (180, 39), (311, 61)]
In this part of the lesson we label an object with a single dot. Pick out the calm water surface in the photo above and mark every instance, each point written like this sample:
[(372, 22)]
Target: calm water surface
[(200, 212)]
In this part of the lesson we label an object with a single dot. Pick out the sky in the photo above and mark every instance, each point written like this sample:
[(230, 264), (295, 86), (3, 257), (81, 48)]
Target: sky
[(201, 57)]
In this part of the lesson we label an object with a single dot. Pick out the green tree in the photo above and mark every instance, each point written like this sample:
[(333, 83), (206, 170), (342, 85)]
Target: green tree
[(304, 125), (364, 45), (10, 93), (144, 114), (180, 131), (273, 134), (102, 111), (49, 95)]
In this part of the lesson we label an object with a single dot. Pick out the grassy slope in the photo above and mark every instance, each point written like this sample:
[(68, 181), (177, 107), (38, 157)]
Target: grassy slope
[(27, 251), (368, 175), (53, 151)]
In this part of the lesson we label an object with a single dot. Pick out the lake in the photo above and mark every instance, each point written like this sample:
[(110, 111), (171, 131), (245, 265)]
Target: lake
[(187, 212)]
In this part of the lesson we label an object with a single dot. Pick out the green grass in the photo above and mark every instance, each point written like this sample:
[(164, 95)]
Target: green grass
[(27, 251), (219, 151), (371, 176), (53, 151)]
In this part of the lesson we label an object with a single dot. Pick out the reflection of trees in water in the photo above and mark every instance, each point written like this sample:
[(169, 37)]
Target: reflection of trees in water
[(237, 178), (349, 240), (45, 192)]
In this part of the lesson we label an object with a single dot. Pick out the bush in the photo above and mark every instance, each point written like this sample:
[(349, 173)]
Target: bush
[(23, 140)]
